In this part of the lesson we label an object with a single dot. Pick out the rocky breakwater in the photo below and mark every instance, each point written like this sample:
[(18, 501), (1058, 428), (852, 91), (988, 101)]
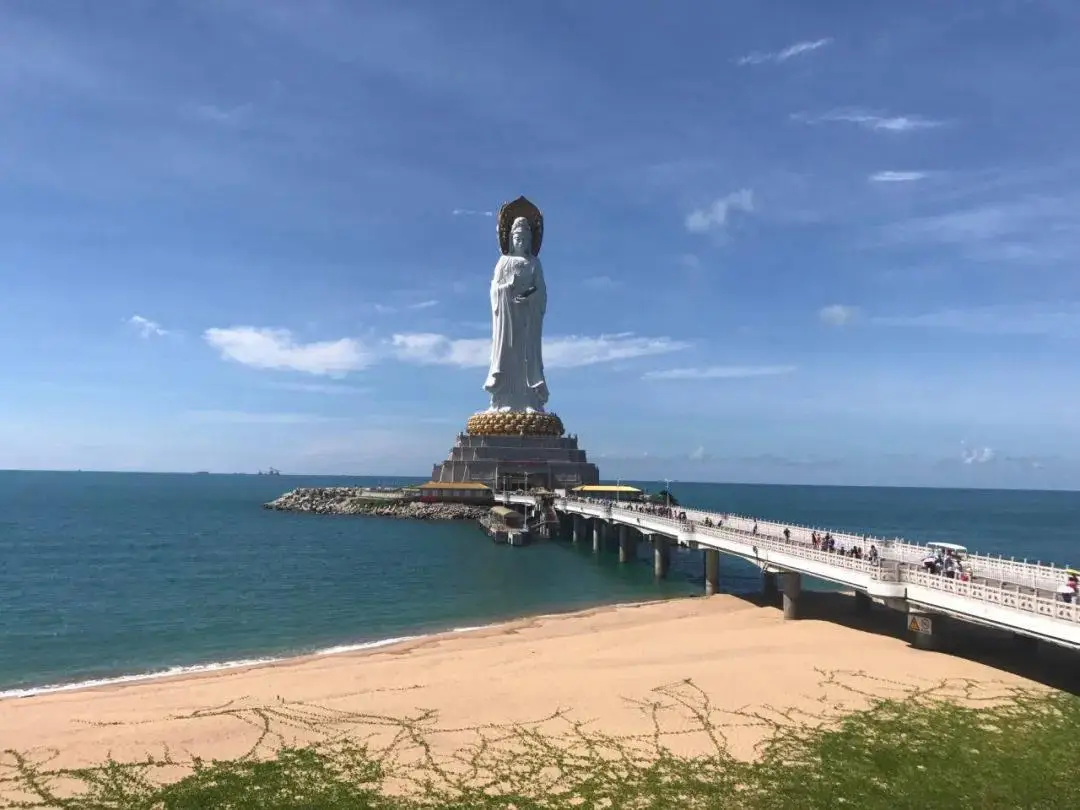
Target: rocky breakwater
[(353, 501)]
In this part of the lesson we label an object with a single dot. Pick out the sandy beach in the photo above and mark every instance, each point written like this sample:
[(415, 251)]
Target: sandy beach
[(599, 665)]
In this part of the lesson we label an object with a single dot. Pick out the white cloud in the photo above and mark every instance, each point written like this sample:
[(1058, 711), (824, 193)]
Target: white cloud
[(798, 49), (869, 120), (699, 454), (572, 351), (469, 212), (838, 314), (430, 348), (717, 372), (145, 327), (277, 349), (257, 418), (977, 455), (716, 215), (424, 304), (896, 177)]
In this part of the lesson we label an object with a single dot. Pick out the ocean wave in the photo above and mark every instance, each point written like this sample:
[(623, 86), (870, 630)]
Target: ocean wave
[(218, 666)]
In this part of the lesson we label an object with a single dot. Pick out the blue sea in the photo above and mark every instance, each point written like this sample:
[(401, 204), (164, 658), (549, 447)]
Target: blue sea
[(123, 575)]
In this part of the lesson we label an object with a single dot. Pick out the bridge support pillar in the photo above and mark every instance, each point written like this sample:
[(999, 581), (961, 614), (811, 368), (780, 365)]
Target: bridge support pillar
[(769, 588), (578, 530), (598, 536), (661, 555), (792, 592), (928, 631), (627, 544), (712, 571), (863, 602)]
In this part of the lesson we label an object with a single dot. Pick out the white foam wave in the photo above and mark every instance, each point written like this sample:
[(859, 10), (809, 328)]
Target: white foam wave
[(171, 672), (195, 669)]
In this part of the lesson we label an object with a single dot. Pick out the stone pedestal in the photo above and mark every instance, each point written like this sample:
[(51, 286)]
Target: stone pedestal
[(516, 462)]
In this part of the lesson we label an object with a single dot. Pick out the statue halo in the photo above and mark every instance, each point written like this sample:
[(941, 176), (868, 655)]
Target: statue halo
[(508, 212)]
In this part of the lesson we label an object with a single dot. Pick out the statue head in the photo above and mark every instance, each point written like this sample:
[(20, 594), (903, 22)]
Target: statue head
[(520, 237), (517, 215)]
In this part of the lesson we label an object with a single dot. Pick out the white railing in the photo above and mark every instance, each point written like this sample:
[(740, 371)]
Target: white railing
[(1020, 572), (995, 594), (883, 571), (1011, 571)]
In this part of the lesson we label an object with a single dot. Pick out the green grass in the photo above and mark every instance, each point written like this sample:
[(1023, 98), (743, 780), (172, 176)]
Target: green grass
[(933, 747)]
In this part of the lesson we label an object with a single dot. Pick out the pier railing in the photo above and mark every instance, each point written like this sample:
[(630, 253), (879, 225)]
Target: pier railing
[(1020, 572), (888, 568)]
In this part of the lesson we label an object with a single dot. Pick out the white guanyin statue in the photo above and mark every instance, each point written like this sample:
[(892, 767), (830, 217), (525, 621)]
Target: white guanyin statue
[(515, 378)]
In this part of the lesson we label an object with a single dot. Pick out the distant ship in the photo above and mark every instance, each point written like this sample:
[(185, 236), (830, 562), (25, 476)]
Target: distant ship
[(271, 471), (201, 472)]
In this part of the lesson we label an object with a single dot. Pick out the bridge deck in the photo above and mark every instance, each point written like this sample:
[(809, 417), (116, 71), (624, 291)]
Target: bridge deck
[(1008, 594)]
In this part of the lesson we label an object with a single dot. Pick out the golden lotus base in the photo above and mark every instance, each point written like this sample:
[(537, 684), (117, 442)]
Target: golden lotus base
[(514, 423)]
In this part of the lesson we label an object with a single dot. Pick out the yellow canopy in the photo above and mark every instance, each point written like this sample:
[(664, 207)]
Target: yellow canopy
[(602, 488)]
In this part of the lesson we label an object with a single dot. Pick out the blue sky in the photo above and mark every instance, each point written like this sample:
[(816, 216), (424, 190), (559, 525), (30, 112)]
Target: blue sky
[(786, 241)]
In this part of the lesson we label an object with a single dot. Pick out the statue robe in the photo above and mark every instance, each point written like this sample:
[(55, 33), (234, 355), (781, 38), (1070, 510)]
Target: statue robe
[(515, 378)]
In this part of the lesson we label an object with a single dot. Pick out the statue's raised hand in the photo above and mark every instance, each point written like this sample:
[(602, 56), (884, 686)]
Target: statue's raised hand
[(523, 296)]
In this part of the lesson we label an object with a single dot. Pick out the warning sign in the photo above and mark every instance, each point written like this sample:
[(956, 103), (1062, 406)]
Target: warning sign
[(921, 624)]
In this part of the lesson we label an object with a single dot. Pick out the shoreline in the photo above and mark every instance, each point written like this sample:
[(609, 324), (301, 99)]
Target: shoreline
[(360, 648), (603, 666)]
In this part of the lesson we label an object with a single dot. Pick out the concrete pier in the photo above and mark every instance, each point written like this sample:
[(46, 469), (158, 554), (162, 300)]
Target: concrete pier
[(863, 602), (712, 571), (792, 591), (598, 536), (928, 631), (770, 589), (627, 544), (661, 555)]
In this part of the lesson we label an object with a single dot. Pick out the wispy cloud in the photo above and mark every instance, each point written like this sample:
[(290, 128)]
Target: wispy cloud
[(471, 212), (145, 327), (390, 309), (715, 216), (1058, 320), (1033, 228), (225, 116), (320, 388), (277, 349), (717, 372), (870, 120), (559, 352), (896, 177), (838, 314), (776, 57), (257, 418), (600, 282)]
